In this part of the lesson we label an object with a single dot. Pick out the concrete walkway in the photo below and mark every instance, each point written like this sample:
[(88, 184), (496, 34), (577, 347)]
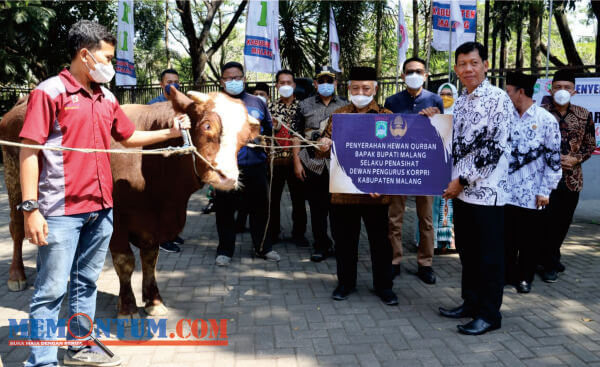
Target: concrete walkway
[(282, 314)]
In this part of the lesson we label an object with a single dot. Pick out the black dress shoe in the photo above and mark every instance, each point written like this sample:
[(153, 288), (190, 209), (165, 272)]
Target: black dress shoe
[(426, 274), (341, 293), (549, 276), (395, 270), (387, 296), (524, 287), (320, 255), (477, 327), (455, 313)]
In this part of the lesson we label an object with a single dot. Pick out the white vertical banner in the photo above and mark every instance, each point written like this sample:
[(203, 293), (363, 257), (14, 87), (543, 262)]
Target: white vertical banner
[(334, 43), (261, 45), (460, 16), (402, 36), (125, 66)]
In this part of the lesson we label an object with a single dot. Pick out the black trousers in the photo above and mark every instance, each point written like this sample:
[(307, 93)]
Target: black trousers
[(281, 174), (558, 217), (252, 197), (348, 218), (479, 232), (319, 198), (523, 239)]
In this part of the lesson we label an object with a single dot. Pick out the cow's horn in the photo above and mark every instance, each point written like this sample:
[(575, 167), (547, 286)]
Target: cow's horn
[(198, 97), (253, 121)]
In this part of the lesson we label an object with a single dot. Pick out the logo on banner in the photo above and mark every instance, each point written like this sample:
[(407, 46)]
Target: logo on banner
[(381, 129), (398, 127), (402, 37)]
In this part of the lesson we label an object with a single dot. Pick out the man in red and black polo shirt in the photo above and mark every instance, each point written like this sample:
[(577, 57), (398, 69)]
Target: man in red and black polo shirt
[(67, 196)]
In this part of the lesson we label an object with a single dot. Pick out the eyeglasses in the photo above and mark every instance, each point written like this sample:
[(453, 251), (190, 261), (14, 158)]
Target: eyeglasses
[(325, 80), (418, 71), (237, 77)]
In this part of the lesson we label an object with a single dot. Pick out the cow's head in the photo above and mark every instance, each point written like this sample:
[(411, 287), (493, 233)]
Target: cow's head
[(220, 127)]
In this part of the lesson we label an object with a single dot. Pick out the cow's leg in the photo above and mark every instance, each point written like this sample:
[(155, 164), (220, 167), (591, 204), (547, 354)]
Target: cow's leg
[(16, 273), (153, 303), (124, 262)]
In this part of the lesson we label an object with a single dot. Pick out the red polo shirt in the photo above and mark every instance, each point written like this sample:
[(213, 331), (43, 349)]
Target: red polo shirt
[(60, 112)]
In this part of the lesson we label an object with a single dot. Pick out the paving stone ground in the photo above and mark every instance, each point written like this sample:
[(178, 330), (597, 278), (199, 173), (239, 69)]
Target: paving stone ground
[(282, 314)]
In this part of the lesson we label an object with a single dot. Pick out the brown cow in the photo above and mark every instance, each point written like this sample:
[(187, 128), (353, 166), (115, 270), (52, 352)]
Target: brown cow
[(150, 192)]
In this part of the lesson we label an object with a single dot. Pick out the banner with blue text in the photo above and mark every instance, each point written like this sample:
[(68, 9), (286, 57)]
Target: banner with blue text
[(393, 154)]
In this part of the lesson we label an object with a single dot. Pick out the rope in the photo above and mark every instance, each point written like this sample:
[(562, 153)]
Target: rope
[(160, 151)]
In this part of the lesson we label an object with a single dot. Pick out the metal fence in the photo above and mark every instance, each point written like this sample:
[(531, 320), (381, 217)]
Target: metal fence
[(142, 94)]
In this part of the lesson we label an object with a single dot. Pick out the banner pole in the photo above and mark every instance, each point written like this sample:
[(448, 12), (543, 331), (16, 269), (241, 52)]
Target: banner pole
[(450, 43), (549, 39)]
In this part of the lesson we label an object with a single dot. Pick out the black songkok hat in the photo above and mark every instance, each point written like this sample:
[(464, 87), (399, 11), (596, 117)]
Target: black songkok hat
[(362, 73), (564, 75), (520, 80)]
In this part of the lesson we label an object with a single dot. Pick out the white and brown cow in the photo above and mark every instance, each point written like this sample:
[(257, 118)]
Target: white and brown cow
[(150, 192)]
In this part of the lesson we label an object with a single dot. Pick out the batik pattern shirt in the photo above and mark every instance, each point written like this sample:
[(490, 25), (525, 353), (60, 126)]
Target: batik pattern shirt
[(289, 115), (578, 140), (480, 145), (314, 117), (534, 167)]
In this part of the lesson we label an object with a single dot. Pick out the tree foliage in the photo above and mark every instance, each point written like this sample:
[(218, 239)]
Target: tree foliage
[(25, 30)]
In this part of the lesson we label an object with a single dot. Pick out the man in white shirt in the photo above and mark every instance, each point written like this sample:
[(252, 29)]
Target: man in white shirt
[(534, 171), (481, 150)]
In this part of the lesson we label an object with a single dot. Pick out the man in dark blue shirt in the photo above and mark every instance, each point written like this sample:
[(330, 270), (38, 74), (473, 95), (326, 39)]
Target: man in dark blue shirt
[(253, 191), (168, 77), (415, 99)]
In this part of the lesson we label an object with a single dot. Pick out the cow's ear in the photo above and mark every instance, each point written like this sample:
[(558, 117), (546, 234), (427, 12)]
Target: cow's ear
[(179, 100)]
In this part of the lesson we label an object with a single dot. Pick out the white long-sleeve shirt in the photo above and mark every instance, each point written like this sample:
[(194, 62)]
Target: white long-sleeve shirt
[(534, 167), (480, 146)]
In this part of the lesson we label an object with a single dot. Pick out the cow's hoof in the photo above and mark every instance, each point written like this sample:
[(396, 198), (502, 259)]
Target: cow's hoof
[(17, 285), (157, 310)]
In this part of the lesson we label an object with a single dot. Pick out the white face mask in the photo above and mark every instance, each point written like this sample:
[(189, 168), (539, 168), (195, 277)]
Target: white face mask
[(361, 101), (286, 91), (414, 80), (103, 73), (262, 99), (562, 97)]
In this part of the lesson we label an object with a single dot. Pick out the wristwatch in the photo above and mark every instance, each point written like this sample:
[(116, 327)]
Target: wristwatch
[(28, 205), (463, 181)]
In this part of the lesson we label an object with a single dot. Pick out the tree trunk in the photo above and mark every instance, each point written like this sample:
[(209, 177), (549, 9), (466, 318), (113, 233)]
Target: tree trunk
[(378, 36), (503, 57), (486, 26), (494, 42), (562, 23), (415, 28), (535, 32), (167, 35), (519, 56), (596, 10), (199, 53), (553, 59)]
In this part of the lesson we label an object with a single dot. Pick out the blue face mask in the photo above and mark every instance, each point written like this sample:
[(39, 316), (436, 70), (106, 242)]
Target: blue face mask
[(174, 85), (325, 89), (234, 87)]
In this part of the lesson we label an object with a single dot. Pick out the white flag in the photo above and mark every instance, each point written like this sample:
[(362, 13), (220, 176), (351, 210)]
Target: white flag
[(334, 43), (402, 36), (125, 68), (462, 15), (261, 46)]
